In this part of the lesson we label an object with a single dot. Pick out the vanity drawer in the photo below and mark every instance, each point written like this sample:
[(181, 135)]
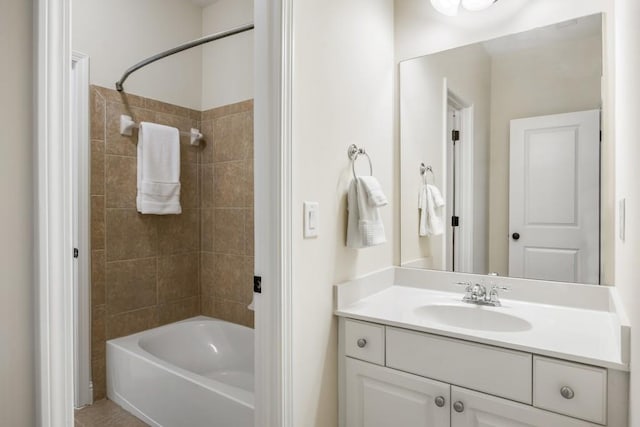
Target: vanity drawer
[(586, 393), (364, 341), (494, 370)]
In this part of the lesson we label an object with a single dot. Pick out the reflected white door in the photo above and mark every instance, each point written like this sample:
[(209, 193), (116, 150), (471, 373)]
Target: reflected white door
[(554, 209)]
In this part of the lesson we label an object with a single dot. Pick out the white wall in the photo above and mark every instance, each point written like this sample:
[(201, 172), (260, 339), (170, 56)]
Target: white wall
[(342, 94), (627, 177), (117, 34), (531, 83), (467, 71), (227, 65), (17, 118)]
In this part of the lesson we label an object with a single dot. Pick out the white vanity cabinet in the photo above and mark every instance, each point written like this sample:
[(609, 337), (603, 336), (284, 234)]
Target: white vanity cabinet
[(473, 409), (393, 377), (381, 397)]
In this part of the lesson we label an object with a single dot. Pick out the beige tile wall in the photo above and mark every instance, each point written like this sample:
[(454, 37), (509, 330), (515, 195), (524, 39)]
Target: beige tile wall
[(226, 171), (150, 270)]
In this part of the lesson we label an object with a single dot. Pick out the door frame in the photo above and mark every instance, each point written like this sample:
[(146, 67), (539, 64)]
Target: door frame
[(81, 169), (466, 168), (273, 211), (53, 260), (53, 237)]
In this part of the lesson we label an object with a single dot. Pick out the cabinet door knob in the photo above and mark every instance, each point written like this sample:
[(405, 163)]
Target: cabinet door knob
[(458, 406), (515, 236), (567, 392), (362, 342), (440, 401)]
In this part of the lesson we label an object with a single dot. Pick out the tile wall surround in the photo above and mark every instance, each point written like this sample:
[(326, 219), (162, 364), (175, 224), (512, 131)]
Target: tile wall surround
[(149, 270), (227, 249)]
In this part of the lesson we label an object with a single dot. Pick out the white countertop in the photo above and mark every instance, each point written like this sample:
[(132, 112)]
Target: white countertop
[(585, 335)]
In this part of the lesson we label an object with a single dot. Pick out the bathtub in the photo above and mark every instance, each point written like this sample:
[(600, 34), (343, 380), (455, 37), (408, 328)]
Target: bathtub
[(197, 372)]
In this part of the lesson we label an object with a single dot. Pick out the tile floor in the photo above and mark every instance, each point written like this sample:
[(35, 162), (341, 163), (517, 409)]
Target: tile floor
[(105, 413)]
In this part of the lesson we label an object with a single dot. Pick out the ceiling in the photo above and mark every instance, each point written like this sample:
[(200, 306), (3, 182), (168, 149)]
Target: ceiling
[(203, 3), (574, 29)]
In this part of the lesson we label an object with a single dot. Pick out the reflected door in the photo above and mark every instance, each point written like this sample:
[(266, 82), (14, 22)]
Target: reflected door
[(554, 212)]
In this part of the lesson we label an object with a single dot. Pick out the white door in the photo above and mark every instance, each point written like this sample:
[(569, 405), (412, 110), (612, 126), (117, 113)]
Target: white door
[(473, 409), (554, 209), (381, 397)]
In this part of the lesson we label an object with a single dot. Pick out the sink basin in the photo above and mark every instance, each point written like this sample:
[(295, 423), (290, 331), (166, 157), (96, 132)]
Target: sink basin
[(473, 317)]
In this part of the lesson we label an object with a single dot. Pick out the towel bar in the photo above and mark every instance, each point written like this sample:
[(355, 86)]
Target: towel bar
[(127, 124)]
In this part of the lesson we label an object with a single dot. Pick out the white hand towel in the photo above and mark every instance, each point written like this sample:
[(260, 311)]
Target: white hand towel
[(364, 227), (374, 191), (158, 170), (430, 203)]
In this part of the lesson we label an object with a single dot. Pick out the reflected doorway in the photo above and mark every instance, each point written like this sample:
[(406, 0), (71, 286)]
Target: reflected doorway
[(459, 185)]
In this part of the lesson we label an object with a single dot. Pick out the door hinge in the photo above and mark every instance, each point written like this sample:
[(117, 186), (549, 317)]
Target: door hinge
[(455, 221), (257, 284), (455, 135), (76, 253)]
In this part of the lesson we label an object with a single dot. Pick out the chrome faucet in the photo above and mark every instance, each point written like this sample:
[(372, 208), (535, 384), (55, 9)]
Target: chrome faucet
[(477, 294)]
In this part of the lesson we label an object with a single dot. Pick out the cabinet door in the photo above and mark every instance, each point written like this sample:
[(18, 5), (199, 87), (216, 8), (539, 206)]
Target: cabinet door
[(382, 397), (482, 410)]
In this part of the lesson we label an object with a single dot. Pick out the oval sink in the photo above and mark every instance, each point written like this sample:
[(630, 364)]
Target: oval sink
[(473, 317)]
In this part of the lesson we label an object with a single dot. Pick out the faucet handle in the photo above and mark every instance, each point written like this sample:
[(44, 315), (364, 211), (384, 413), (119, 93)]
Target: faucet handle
[(493, 295), (468, 285)]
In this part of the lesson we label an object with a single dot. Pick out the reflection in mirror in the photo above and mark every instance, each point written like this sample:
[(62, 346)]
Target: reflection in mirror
[(511, 130)]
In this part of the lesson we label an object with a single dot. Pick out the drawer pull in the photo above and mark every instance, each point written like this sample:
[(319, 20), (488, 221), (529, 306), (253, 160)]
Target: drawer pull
[(458, 406), (440, 401), (362, 342), (567, 392)]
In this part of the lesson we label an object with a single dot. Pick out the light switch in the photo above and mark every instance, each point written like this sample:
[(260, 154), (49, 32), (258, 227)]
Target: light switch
[(311, 219)]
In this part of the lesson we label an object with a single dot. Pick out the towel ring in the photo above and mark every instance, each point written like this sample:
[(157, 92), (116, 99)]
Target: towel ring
[(353, 154), (424, 169)]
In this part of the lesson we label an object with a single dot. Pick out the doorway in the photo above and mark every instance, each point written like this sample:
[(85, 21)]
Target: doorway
[(459, 184), (54, 263)]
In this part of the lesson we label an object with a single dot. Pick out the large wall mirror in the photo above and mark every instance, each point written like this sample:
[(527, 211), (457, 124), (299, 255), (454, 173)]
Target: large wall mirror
[(502, 160)]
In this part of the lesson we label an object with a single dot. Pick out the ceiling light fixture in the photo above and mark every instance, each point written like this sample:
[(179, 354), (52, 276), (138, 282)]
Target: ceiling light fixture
[(451, 7), (446, 7)]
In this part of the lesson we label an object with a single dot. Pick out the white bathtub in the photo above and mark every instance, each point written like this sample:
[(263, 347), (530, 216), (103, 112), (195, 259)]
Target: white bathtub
[(197, 372)]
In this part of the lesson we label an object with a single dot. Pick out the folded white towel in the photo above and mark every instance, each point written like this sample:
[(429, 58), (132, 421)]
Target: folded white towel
[(374, 191), (430, 203), (364, 227), (158, 170)]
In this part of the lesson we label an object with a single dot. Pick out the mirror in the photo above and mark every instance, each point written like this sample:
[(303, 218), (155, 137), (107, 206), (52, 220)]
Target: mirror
[(507, 132)]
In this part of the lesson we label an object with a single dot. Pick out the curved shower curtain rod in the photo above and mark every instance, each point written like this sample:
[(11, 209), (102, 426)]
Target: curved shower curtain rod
[(185, 46)]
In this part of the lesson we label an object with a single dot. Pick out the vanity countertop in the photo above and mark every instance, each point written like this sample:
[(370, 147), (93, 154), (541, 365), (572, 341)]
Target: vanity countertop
[(587, 334)]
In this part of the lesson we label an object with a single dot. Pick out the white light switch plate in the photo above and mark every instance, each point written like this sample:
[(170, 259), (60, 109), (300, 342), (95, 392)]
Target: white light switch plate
[(311, 219)]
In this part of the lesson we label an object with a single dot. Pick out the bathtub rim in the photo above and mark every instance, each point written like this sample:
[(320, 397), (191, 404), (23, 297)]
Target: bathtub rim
[(130, 345)]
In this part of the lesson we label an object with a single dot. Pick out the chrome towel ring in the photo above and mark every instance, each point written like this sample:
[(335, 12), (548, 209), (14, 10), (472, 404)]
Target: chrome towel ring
[(423, 171), (353, 153)]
